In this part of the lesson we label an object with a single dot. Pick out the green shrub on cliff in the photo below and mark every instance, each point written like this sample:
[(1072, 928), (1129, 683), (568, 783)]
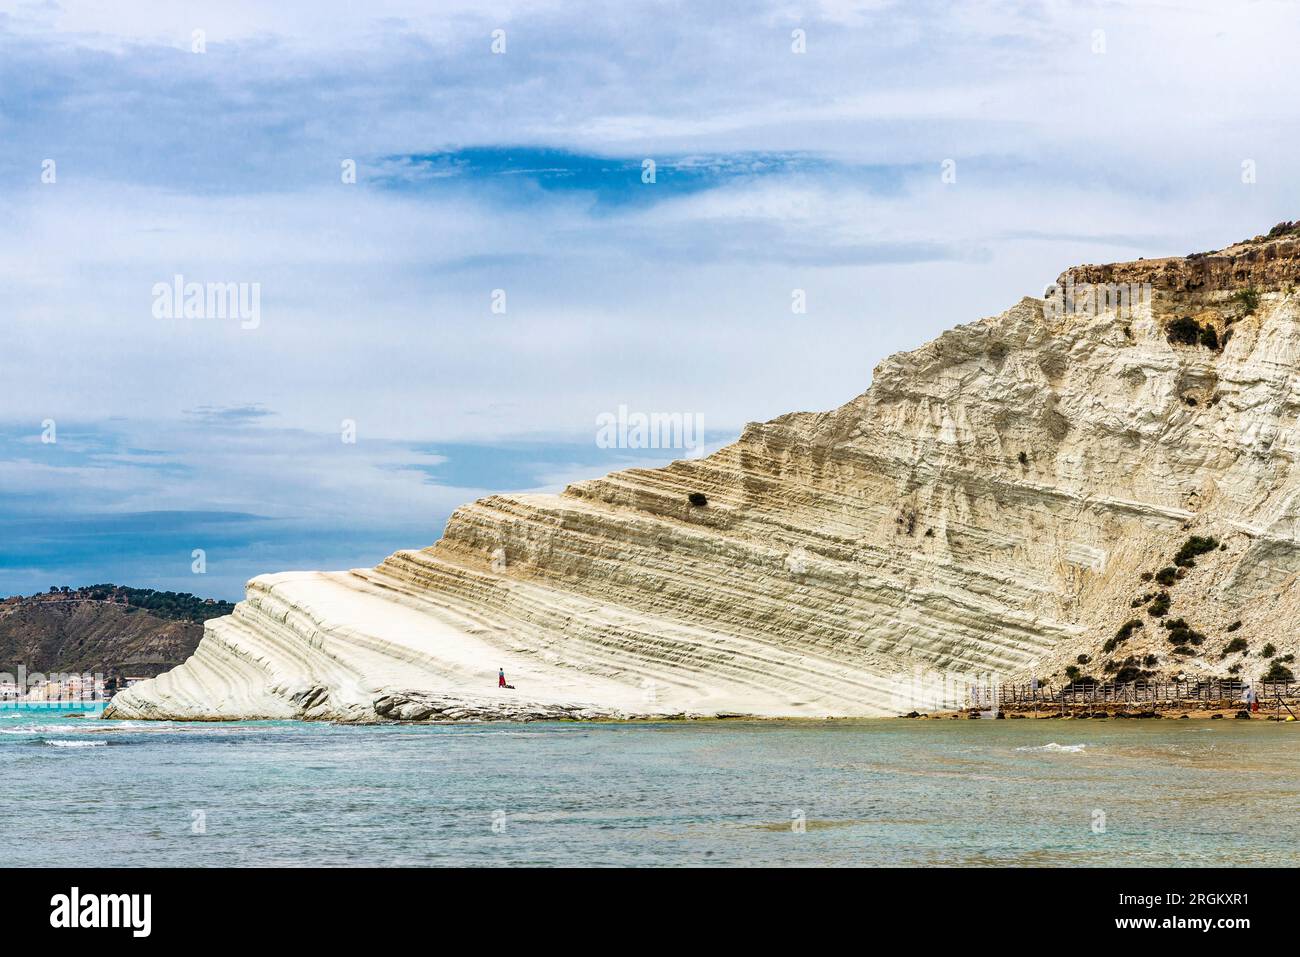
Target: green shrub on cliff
[(1237, 644), (1196, 545), (1124, 634), (1277, 672), (1159, 605), (1248, 299), (177, 606), (1181, 633)]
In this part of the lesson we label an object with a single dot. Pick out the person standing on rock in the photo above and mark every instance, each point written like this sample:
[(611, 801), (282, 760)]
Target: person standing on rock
[(501, 679)]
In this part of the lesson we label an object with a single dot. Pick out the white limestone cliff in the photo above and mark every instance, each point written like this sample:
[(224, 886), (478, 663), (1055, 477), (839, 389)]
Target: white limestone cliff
[(987, 507)]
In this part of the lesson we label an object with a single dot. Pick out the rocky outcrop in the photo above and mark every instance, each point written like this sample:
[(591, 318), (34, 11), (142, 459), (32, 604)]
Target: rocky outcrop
[(988, 507), (1267, 262)]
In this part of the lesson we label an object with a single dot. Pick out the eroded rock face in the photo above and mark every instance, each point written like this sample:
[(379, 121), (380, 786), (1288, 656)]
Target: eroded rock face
[(423, 706), (987, 507)]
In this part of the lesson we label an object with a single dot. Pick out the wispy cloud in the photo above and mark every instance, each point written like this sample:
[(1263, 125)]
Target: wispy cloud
[(231, 414)]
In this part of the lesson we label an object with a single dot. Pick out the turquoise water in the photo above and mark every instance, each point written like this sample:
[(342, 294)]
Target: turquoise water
[(82, 791)]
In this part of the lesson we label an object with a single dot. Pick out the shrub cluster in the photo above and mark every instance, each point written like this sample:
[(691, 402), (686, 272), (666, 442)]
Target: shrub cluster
[(1159, 605), (1124, 634), (1181, 633), (1278, 672), (1196, 545), (1126, 670), (1077, 678), (174, 605), (1131, 673), (1237, 644)]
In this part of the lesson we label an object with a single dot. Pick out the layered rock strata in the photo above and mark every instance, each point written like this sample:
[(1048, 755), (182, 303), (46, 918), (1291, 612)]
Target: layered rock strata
[(989, 507)]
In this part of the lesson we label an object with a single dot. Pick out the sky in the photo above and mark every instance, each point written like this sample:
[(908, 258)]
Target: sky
[(444, 215)]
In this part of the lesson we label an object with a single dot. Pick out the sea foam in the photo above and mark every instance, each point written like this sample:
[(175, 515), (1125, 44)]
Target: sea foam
[(76, 744)]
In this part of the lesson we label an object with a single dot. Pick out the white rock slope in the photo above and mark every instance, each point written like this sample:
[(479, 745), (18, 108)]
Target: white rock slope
[(986, 507)]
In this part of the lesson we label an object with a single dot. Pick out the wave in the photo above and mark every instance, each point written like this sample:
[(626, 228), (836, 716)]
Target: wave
[(32, 729), (75, 744), (137, 727), (1071, 748)]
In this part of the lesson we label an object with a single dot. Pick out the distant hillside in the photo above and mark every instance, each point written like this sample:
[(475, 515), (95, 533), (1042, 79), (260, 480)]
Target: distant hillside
[(102, 629)]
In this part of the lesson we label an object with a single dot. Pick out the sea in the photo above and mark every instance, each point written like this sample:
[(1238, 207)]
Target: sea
[(82, 791)]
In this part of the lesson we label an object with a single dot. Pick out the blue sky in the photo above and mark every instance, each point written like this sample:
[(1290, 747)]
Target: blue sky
[(522, 172)]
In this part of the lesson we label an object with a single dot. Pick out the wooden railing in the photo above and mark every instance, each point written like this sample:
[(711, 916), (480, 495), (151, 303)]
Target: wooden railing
[(1132, 692)]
